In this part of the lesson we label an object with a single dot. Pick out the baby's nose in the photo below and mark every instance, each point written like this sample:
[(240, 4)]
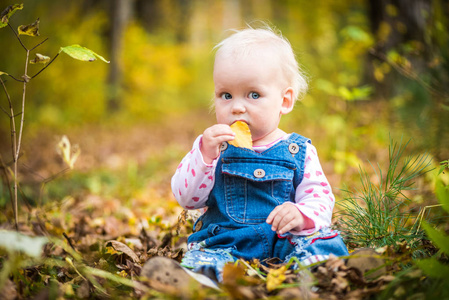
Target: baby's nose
[(238, 108)]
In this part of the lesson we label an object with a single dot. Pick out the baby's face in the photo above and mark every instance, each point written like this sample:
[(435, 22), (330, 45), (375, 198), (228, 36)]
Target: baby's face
[(250, 89)]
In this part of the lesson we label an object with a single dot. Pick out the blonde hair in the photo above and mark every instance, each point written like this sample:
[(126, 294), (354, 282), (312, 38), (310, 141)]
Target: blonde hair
[(243, 42)]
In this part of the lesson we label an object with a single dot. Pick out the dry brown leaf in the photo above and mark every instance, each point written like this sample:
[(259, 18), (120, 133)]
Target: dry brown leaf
[(9, 290), (240, 286), (232, 272), (366, 259), (335, 263), (83, 291), (118, 246), (340, 284), (242, 135)]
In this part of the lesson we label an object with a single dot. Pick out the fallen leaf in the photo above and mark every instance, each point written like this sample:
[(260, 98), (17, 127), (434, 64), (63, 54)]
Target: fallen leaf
[(276, 277), (83, 291), (367, 259), (118, 246), (9, 290)]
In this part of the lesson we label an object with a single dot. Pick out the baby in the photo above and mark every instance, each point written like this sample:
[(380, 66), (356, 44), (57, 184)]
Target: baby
[(269, 201)]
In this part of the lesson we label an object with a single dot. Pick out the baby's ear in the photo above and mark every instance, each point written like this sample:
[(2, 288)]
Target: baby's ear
[(288, 101)]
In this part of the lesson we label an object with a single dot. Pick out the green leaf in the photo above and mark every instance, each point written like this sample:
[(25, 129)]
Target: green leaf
[(7, 13), (40, 59), (442, 193), (3, 73), (433, 268), (14, 241), (356, 33), (30, 29), (345, 93), (438, 238), (81, 53)]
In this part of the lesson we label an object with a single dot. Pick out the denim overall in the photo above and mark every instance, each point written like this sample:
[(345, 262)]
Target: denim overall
[(248, 186)]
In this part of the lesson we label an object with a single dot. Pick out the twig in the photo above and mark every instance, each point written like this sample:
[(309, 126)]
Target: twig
[(421, 215), (14, 156), (47, 180), (8, 183), (4, 110), (251, 268), (69, 241), (23, 105), (15, 78), (38, 44), (18, 37), (7, 96), (44, 67)]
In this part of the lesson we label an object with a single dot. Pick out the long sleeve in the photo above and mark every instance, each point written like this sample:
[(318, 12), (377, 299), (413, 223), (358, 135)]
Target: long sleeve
[(193, 179), (314, 196)]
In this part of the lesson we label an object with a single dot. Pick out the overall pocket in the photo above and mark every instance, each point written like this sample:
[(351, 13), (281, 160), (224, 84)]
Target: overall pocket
[(254, 188)]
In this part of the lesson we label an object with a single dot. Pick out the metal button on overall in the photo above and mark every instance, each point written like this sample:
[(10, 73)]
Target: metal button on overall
[(293, 148), (259, 173), (223, 146), (198, 225)]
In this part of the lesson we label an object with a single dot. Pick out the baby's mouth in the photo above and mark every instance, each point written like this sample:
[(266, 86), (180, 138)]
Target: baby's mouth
[(240, 121)]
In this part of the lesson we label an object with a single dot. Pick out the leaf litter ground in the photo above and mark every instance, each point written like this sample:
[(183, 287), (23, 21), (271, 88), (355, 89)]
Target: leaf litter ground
[(114, 245), (103, 239)]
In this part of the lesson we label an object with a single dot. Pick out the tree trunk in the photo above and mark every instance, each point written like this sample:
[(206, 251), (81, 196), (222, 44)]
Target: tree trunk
[(120, 14)]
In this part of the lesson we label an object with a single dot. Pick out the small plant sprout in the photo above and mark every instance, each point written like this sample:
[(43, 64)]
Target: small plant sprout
[(75, 51)]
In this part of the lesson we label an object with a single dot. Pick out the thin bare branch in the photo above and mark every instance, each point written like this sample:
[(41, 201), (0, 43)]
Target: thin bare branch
[(12, 122), (4, 168), (7, 96), (19, 143), (38, 44), (46, 66), (54, 176), (4, 110), (32, 172), (69, 240), (15, 78), (17, 36)]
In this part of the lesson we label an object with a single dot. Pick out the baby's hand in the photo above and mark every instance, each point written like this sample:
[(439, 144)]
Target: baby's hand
[(212, 139), (286, 217)]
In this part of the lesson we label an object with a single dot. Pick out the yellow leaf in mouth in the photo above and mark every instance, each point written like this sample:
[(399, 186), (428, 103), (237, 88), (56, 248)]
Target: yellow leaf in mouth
[(242, 135)]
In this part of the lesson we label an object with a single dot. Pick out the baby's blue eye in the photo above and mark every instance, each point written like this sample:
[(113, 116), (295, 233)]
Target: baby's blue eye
[(254, 95), (226, 96)]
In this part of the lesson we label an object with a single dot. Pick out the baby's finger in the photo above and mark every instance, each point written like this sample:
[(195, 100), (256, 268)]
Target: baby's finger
[(275, 222), (281, 219), (222, 129), (286, 224), (272, 215)]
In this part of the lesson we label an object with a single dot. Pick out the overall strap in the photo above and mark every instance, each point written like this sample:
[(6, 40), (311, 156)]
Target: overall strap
[(299, 138), (296, 140)]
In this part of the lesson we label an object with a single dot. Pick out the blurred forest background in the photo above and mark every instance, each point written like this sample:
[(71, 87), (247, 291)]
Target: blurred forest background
[(378, 69), (378, 73)]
